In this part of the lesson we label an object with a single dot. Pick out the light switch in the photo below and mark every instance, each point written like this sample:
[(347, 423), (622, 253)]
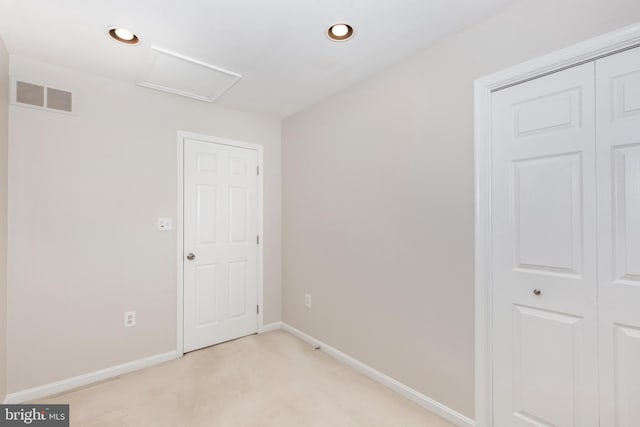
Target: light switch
[(165, 224)]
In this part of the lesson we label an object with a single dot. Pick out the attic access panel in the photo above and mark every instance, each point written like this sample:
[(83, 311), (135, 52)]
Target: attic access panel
[(174, 73)]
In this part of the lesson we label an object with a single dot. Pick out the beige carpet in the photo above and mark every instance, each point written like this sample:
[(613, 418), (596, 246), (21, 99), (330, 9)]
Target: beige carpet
[(272, 379)]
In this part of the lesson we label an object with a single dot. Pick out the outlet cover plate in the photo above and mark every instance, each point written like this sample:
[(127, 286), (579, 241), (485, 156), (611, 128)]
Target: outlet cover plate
[(129, 319)]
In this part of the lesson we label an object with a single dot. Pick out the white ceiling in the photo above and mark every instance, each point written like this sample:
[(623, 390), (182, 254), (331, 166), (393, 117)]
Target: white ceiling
[(278, 46)]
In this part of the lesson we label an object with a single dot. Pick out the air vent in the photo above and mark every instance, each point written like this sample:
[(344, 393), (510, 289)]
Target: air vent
[(59, 99), (42, 97), (27, 93)]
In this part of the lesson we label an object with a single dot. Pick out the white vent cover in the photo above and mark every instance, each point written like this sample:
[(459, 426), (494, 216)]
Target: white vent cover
[(39, 96), (28, 93), (177, 74), (59, 100)]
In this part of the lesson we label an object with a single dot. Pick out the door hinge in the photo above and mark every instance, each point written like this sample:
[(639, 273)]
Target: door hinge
[(257, 240), (257, 309), (258, 170)]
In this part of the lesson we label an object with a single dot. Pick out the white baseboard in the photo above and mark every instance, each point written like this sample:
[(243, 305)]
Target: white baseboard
[(81, 380), (415, 396), (71, 383), (269, 327)]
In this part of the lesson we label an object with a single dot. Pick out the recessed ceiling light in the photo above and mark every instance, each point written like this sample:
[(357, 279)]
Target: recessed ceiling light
[(340, 32), (123, 35)]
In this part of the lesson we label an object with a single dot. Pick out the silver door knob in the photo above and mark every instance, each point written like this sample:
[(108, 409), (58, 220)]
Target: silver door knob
[(191, 256), (537, 291)]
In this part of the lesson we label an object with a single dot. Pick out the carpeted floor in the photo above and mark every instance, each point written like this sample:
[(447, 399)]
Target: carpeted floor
[(272, 379)]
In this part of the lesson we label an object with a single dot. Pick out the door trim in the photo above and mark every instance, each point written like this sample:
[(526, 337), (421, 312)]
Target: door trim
[(604, 45), (182, 135)]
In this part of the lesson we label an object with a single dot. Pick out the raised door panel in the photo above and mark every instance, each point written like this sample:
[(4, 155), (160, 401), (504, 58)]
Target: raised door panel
[(547, 113), (239, 214), (626, 213), (548, 240), (238, 166), (626, 350), (206, 214), (238, 276), (206, 163), (547, 367), (206, 288), (625, 96)]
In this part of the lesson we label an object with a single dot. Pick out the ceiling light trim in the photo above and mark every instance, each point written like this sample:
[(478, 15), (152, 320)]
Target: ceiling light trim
[(111, 32), (350, 32)]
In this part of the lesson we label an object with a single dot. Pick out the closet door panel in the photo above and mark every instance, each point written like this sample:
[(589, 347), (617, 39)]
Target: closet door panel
[(544, 252), (618, 142)]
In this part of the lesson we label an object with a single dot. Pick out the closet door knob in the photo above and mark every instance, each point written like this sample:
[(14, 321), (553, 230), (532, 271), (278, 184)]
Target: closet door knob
[(191, 257), (537, 292)]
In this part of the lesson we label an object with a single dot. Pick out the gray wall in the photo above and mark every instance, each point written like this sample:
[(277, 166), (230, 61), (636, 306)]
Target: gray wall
[(4, 135), (85, 192), (378, 198)]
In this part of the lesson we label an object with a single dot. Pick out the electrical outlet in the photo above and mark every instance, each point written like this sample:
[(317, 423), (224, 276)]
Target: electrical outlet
[(307, 300), (129, 319)]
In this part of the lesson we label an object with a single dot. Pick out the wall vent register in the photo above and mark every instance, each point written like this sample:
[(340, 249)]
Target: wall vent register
[(40, 96)]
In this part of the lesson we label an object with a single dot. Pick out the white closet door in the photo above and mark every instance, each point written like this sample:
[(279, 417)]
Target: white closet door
[(544, 252), (618, 136)]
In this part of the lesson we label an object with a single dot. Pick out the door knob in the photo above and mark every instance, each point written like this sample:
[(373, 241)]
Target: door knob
[(537, 291), (191, 256)]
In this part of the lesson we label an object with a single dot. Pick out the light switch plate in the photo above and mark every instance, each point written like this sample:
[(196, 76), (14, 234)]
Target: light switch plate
[(165, 224)]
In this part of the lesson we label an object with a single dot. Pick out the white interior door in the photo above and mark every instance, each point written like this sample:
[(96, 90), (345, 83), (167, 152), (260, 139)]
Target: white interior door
[(618, 135), (544, 252), (220, 243)]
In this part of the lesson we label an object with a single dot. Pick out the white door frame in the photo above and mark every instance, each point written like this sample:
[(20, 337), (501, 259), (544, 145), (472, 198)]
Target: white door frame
[(589, 50), (182, 135)]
